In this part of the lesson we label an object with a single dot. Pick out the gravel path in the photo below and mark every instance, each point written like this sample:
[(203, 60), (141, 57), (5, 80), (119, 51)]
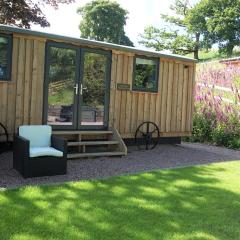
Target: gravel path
[(164, 156)]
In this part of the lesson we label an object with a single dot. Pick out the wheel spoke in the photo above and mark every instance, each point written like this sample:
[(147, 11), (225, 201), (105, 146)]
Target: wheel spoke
[(141, 132), (147, 127), (146, 138), (155, 129)]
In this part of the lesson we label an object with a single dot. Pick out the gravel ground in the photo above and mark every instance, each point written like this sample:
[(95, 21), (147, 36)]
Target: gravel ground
[(163, 156)]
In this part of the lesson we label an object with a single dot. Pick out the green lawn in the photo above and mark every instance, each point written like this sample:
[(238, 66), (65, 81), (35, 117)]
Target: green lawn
[(214, 55), (189, 203)]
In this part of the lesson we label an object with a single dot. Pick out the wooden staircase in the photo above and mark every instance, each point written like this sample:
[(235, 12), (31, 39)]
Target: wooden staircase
[(93, 143)]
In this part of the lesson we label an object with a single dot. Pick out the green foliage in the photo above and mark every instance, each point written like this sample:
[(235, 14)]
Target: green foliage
[(159, 39), (207, 129), (104, 20), (213, 54), (62, 64), (224, 136), (191, 28), (221, 136), (178, 36), (144, 77), (202, 128), (145, 74), (63, 96), (235, 143), (94, 79), (62, 76), (218, 22)]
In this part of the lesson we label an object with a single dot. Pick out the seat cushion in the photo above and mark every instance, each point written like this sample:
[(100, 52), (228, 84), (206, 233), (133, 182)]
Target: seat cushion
[(38, 135), (44, 151)]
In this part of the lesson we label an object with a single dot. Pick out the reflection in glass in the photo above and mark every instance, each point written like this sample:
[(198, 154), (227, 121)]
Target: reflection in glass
[(145, 75), (61, 75), (93, 89), (3, 56)]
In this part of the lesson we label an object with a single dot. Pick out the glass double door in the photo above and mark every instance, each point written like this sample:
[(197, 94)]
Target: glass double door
[(76, 87)]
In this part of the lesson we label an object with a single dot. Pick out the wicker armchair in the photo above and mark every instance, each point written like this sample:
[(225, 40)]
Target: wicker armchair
[(37, 153)]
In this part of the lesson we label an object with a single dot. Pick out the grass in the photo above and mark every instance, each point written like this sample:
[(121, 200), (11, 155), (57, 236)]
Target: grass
[(194, 203), (62, 97), (214, 55)]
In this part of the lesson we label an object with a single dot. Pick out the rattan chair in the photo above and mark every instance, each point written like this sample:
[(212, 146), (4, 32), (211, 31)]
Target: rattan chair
[(36, 152)]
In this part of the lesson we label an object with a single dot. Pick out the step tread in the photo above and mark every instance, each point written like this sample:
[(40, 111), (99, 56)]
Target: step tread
[(99, 154), (94, 132), (89, 143)]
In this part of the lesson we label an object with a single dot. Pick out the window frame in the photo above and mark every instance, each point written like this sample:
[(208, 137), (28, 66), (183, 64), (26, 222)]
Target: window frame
[(7, 77), (137, 89)]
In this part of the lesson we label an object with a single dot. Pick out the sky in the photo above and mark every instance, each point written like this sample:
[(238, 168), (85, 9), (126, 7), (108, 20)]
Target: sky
[(65, 20)]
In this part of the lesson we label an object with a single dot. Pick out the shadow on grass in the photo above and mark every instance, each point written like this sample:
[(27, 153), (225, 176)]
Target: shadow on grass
[(190, 203)]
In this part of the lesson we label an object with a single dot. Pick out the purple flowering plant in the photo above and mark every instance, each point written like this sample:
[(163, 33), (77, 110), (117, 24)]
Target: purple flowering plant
[(217, 105)]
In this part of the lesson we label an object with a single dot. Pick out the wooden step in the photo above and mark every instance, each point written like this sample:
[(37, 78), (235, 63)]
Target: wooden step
[(92, 143), (89, 132), (99, 154)]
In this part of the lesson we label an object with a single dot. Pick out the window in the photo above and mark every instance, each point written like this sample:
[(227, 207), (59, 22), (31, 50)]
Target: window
[(5, 56), (145, 76)]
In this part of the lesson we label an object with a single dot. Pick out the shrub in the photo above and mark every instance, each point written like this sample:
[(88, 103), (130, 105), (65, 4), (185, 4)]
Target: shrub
[(217, 119), (221, 136), (201, 128), (235, 143)]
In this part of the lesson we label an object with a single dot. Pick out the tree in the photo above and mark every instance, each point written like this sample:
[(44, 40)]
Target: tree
[(178, 35), (22, 13), (220, 22), (104, 20)]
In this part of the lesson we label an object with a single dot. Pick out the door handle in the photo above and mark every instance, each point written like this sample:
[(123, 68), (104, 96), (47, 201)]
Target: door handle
[(81, 89), (76, 89)]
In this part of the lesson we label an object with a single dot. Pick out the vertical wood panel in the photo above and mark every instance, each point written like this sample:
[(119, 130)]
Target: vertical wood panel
[(164, 96), (129, 97), (3, 103), (20, 83), (21, 100), (28, 81), (134, 112), (153, 98), (184, 100), (40, 82), (179, 98), (140, 106), (159, 99), (118, 93), (113, 90), (174, 99), (146, 105), (34, 84), (124, 95), (169, 97), (12, 89)]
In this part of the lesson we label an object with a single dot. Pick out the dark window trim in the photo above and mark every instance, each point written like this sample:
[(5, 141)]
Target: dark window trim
[(9, 57), (155, 90), (48, 45), (107, 80), (79, 68)]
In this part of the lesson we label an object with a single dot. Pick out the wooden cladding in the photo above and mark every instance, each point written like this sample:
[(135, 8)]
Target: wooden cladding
[(21, 98), (170, 108)]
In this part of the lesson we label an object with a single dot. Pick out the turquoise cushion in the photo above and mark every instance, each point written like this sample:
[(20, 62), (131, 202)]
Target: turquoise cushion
[(44, 151), (38, 135)]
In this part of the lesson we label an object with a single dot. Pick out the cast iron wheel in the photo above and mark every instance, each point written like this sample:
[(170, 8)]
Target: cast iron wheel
[(4, 140), (147, 136)]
